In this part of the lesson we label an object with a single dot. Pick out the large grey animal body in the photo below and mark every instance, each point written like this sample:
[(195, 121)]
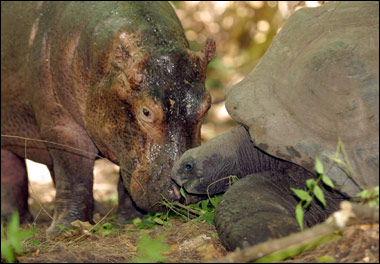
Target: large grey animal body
[(316, 86), (259, 205)]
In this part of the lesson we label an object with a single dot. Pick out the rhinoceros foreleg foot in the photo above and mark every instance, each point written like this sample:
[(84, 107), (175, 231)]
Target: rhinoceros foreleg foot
[(127, 209), (73, 176), (74, 198), (14, 187)]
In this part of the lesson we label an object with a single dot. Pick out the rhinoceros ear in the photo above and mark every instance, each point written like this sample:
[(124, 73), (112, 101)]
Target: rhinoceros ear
[(120, 57), (208, 50)]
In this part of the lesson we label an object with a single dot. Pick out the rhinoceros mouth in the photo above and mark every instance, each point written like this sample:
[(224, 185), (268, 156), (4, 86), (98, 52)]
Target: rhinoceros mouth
[(190, 197), (178, 196), (176, 192)]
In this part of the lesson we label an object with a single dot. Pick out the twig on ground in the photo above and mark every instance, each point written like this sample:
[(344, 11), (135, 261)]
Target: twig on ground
[(187, 208)]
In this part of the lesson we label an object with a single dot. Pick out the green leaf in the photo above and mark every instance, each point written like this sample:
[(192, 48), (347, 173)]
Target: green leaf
[(136, 220), (107, 226), (158, 221), (299, 215), (6, 251), (35, 242), (204, 204), (233, 179), (15, 236), (106, 232), (182, 192), (310, 183), (208, 217), (306, 205), (373, 203), (365, 194), (319, 194), (149, 249), (376, 191), (13, 231), (326, 259), (13, 224), (318, 165), (303, 195), (326, 180)]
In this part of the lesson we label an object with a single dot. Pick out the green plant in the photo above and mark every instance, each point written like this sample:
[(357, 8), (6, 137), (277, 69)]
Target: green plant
[(370, 195), (340, 158), (312, 187), (207, 208), (182, 192), (12, 238), (149, 250), (203, 210), (231, 179), (151, 220), (104, 229)]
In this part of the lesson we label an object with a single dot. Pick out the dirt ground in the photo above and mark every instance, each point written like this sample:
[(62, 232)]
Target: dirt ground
[(189, 241)]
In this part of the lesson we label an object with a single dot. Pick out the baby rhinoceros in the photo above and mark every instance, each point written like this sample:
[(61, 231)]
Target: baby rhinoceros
[(261, 204), (315, 88)]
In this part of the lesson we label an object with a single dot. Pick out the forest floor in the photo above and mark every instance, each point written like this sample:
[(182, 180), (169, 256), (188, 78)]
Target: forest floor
[(175, 240)]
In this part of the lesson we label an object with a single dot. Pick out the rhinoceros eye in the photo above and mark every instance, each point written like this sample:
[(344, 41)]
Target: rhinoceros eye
[(146, 114), (188, 167)]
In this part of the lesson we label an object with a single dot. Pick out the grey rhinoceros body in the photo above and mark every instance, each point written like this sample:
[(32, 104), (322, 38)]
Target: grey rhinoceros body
[(317, 83), (110, 77)]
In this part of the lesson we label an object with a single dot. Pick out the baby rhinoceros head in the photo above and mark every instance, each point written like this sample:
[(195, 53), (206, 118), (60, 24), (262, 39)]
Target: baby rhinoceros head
[(205, 169)]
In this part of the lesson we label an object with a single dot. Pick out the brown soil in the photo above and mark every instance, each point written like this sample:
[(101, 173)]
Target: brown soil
[(189, 242)]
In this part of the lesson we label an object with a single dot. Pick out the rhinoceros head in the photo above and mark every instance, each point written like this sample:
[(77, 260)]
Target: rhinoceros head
[(145, 110)]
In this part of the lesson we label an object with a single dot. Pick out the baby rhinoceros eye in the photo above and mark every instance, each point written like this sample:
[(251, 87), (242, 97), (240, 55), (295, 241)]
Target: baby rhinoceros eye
[(188, 167)]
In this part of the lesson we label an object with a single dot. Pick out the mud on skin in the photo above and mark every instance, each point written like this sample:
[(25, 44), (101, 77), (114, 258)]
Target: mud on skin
[(111, 77)]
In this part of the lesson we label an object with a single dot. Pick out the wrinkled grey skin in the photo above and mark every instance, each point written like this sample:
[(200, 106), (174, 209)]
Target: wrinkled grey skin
[(316, 85), (261, 204), (220, 157)]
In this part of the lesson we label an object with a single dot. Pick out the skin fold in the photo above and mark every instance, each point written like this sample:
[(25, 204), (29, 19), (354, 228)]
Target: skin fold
[(261, 204)]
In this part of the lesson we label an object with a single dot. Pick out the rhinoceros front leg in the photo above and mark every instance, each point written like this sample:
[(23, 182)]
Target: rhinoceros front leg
[(14, 187), (73, 174), (254, 210)]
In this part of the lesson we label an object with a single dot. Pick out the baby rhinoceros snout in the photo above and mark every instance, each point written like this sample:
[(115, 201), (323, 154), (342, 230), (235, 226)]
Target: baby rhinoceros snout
[(182, 171), (187, 173)]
